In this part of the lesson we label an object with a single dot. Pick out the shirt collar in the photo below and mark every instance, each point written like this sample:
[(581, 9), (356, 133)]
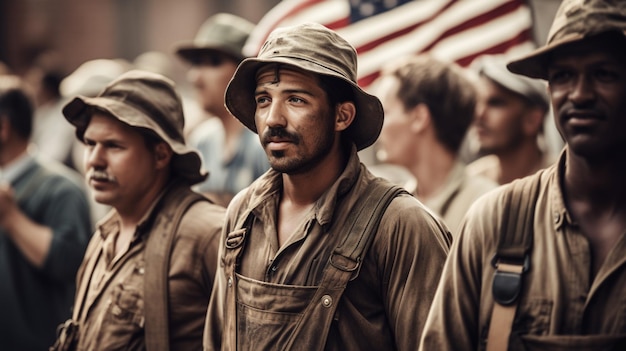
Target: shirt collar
[(451, 186), (111, 222), (560, 214), (14, 170), (266, 190)]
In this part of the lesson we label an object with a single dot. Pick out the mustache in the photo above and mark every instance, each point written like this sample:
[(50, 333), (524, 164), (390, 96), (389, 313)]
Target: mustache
[(100, 175), (279, 133), (589, 109)]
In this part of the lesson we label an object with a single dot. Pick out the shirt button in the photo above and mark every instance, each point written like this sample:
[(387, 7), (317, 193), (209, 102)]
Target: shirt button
[(557, 217), (327, 301), (230, 282)]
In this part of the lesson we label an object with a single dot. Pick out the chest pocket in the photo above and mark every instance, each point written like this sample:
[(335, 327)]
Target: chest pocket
[(574, 342), (124, 317), (267, 314)]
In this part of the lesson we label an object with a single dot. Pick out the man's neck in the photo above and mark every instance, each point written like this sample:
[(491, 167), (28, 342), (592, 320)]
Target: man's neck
[(431, 168), (519, 162), (600, 183)]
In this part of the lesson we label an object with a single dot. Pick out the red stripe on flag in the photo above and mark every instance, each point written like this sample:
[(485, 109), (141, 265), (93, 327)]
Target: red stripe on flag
[(477, 21), (374, 43), (521, 38)]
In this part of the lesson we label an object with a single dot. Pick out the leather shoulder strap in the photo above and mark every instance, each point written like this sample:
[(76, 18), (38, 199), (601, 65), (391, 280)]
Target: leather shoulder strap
[(512, 258), (158, 250), (345, 262)]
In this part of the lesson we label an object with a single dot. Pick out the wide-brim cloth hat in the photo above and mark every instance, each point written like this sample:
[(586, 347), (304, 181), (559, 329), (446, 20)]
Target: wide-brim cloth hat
[(314, 48), (142, 100), (223, 32), (574, 21)]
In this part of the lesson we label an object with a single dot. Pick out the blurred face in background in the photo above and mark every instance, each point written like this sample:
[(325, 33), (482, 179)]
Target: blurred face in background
[(210, 73), (499, 118), (396, 140)]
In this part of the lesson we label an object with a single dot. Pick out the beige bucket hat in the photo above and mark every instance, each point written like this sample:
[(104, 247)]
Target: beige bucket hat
[(313, 48), (142, 100), (574, 21), (223, 33)]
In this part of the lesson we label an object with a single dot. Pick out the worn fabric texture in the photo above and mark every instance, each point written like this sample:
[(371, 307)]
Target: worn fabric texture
[(384, 308), (559, 299), (111, 316)]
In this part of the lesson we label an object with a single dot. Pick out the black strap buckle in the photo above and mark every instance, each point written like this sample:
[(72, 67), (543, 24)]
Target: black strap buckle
[(507, 286)]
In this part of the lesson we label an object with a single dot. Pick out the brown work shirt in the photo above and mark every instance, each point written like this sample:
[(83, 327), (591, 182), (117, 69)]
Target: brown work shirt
[(558, 297), (111, 317), (385, 307), (458, 194)]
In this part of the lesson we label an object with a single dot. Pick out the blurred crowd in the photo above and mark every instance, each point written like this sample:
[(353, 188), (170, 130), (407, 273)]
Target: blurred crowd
[(450, 135)]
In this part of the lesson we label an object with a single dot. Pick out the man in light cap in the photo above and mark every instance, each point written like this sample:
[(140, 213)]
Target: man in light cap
[(541, 264), (509, 123), (304, 263), (146, 278), (230, 152)]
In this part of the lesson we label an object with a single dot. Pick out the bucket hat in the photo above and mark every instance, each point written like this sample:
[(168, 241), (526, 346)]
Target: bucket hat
[(223, 33), (313, 48), (574, 21), (142, 100)]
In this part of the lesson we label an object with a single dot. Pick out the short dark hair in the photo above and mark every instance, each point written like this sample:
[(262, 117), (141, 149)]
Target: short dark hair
[(16, 104), (444, 88), (338, 91)]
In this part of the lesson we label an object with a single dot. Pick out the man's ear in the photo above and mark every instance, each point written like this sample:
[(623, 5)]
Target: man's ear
[(162, 155), (5, 128), (420, 117), (344, 115)]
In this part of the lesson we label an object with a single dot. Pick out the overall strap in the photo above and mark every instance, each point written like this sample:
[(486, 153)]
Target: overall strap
[(344, 264), (233, 248), (158, 249), (512, 259)]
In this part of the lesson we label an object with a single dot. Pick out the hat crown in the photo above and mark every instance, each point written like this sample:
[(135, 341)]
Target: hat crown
[(314, 43), (153, 95), (587, 17), (223, 32)]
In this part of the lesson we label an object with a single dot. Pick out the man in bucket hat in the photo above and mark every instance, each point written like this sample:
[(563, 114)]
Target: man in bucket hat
[(288, 242), (552, 278), (147, 275), (230, 152)]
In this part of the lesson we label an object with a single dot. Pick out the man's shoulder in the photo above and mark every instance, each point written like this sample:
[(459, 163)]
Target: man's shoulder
[(486, 166)]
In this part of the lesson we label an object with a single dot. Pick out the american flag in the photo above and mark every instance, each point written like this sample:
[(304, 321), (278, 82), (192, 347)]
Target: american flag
[(381, 30)]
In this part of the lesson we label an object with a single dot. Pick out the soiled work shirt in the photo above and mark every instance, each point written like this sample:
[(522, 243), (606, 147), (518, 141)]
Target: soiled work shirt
[(559, 297), (112, 315), (385, 307)]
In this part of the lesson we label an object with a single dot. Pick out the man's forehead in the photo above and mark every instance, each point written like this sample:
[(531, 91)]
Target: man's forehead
[(272, 72)]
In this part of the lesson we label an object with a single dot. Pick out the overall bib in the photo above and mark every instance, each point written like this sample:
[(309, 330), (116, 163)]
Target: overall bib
[(267, 316)]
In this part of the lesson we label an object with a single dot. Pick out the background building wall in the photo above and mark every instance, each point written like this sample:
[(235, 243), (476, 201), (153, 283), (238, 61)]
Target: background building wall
[(81, 30)]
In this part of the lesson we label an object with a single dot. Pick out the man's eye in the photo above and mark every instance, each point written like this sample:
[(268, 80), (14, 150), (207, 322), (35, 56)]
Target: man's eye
[(557, 77), (261, 100), (296, 100), (606, 75)]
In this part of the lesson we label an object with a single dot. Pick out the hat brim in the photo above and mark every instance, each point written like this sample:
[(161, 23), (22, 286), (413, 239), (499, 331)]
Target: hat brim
[(535, 63), (239, 98), (186, 161)]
